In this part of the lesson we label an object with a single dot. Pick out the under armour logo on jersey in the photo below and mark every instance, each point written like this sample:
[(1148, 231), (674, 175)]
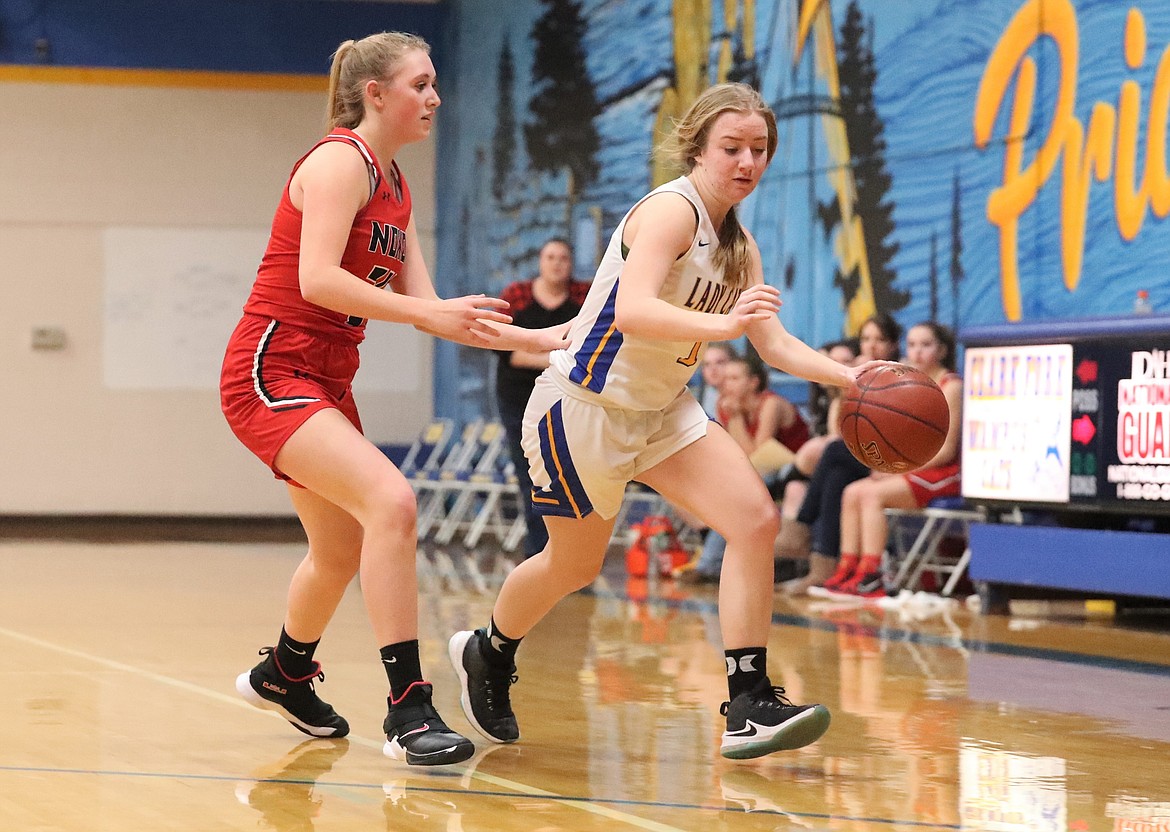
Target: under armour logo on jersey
[(745, 664)]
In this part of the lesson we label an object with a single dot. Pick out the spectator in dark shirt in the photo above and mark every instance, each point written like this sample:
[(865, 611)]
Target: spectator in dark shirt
[(551, 298)]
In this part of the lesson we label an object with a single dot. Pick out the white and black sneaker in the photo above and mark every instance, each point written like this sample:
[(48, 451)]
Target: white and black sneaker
[(416, 733), (762, 720), (485, 689), (266, 686)]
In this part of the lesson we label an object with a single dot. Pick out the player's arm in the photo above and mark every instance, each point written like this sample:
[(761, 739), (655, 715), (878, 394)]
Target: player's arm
[(473, 320), (660, 231), (781, 349), (330, 188), (949, 452)]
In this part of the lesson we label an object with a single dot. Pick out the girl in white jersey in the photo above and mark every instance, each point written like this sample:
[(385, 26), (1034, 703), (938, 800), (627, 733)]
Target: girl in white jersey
[(679, 271)]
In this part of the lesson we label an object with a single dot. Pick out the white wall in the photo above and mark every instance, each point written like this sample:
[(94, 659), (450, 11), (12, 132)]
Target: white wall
[(84, 167)]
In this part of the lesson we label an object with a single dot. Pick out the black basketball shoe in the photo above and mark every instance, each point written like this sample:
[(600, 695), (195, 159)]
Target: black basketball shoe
[(485, 697), (763, 720), (416, 733), (266, 686)]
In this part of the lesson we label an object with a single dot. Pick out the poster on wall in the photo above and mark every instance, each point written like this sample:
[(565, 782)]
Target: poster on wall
[(1017, 403)]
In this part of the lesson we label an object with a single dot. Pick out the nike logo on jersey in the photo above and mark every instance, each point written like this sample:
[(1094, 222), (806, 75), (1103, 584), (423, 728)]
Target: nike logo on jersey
[(704, 243)]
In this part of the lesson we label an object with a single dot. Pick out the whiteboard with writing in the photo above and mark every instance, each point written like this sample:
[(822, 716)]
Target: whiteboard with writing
[(174, 295)]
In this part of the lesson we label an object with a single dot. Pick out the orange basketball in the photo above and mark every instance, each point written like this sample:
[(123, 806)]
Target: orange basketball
[(896, 420)]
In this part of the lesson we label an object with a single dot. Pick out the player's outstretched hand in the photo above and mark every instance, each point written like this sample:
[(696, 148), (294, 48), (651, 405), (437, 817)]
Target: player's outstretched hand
[(757, 303), (469, 316), (856, 371), (512, 338)]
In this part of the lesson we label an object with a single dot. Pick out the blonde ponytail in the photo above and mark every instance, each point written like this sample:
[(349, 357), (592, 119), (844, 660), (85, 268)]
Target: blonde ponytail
[(357, 61)]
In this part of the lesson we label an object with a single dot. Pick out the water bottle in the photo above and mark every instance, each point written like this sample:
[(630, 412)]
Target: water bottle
[(1141, 304)]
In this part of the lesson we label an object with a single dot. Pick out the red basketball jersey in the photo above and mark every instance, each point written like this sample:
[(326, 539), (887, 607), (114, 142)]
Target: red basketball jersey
[(375, 252)]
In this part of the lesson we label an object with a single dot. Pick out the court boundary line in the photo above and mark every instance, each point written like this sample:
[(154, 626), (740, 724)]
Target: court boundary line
[(572, 799), (158, 678)]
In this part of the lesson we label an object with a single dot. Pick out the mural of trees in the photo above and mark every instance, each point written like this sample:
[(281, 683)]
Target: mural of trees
[(956, 248), (504, 140), (562, 133), (864, 129), (933, 275)]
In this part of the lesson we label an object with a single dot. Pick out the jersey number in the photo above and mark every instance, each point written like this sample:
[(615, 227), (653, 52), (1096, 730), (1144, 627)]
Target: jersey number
[(379, 276), (691, 357)]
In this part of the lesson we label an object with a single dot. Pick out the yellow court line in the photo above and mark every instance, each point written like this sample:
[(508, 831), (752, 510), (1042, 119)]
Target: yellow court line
[(115, 77), (520, 788)]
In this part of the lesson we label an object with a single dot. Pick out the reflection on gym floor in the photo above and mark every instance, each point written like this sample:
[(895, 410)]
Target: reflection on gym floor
[(120, 660)]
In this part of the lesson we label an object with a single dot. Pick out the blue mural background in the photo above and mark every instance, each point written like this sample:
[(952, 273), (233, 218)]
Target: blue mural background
[(929, 57)]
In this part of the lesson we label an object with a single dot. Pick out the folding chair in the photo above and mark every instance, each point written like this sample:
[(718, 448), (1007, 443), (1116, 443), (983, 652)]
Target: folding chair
[(428, 447), (433, 487), (916, 542), (495, 486), (478, 479)]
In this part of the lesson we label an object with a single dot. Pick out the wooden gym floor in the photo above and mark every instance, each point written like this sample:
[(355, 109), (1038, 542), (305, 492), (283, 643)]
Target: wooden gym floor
[(119, 711)]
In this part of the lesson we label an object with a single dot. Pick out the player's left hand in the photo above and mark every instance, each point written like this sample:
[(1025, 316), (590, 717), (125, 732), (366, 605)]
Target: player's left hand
[(873, 364)]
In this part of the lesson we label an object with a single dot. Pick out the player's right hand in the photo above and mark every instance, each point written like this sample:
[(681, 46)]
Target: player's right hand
[(758, 302), (458, 318)]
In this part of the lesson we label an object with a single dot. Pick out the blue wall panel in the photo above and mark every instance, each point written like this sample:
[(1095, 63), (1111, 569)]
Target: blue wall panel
[(269, 36)]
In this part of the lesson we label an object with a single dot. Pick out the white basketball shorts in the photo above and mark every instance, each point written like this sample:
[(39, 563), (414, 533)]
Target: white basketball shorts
[(582, 455)]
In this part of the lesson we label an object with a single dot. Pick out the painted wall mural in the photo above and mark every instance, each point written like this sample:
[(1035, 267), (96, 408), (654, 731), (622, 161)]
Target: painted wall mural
[(971, 161)]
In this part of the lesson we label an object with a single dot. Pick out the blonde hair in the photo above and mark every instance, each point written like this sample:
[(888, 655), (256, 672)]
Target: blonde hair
[(688, 139), (357, 61)]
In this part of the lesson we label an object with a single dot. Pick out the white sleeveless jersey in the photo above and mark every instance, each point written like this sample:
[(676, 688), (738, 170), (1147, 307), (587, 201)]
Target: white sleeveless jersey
[(608, 367)]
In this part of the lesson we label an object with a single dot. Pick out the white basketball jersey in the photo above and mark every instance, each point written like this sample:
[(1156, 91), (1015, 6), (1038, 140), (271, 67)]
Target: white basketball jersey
[(603, 364)]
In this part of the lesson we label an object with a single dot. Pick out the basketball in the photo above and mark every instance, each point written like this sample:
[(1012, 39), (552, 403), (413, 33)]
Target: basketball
[(896, 420)]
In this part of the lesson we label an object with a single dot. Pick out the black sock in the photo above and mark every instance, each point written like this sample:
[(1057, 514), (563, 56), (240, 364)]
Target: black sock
[(497, 649), (295, 658), (746, 668), (401, 663)]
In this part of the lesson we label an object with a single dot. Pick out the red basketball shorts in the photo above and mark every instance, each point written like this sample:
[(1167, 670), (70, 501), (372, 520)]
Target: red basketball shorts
[(928, 483), (276, 376)]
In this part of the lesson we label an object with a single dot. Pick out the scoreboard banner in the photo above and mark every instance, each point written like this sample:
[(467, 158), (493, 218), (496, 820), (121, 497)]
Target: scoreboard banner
[(1080, 421), (1016, 405), (1121, 425)]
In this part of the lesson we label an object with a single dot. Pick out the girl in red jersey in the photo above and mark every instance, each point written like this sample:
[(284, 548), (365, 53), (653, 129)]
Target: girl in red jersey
[(343, 231), (930, 347)]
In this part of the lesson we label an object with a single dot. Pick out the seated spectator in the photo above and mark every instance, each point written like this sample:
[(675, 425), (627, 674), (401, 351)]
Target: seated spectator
[(816, 531), (823, 405), (768, 427), (710, 385), (930, 347)]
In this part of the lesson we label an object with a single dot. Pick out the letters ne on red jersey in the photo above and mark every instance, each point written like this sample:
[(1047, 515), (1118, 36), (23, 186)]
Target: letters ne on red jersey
[(375, 252)]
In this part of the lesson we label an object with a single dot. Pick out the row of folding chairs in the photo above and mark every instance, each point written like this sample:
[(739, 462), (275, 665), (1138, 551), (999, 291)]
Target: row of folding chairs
[(466, 485), (464, 480)]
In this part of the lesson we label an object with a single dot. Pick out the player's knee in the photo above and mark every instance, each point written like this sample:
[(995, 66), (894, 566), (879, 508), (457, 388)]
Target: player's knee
[(391, 507), (761, 522)]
